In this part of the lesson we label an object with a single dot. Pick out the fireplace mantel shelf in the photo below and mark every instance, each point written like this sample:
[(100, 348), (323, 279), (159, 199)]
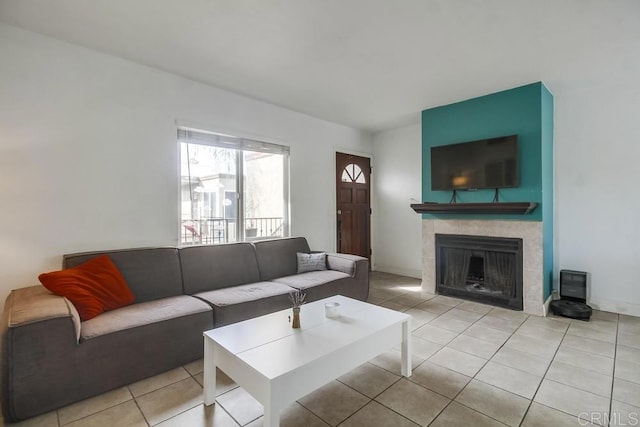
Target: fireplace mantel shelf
[(518, 208)]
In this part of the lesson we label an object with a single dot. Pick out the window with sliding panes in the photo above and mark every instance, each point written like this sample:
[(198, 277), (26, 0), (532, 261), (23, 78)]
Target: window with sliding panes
[(232, 189)]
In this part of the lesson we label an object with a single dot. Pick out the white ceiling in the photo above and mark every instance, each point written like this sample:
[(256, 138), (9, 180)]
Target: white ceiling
[(369, 64)]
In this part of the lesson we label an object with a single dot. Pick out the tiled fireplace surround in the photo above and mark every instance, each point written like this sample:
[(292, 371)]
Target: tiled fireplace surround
[(529, 231)]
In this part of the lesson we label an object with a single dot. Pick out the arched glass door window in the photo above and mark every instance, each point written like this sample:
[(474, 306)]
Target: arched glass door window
[(353, 173)]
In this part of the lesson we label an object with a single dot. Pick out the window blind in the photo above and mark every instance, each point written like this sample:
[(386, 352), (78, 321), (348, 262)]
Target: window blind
[(231, 142)]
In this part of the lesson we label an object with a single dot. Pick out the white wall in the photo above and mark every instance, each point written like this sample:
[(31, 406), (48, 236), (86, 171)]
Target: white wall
[(597, 152), (89, 159), (397, 176)]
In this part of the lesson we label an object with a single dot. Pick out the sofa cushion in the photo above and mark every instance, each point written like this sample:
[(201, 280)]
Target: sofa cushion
[(151, 273), (142, 314), (243, 302), (277, 258), (93, 287), (206, 268), (310, 279)]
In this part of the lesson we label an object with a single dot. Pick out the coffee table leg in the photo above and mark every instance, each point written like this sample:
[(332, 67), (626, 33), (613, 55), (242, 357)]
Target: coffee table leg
[(209, 372), (271, 416), (405, 368)]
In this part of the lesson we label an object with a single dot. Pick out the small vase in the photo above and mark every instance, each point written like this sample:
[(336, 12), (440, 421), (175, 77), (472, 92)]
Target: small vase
[(296, 318)]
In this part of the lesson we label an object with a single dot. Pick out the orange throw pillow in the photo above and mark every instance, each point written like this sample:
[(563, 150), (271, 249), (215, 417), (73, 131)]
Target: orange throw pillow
[(93, 287)]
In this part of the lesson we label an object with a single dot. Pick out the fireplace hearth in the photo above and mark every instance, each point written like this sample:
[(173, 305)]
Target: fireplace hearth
[(480, 268)]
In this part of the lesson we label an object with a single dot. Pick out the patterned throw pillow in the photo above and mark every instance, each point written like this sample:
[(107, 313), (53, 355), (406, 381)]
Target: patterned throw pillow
[(311, 262)]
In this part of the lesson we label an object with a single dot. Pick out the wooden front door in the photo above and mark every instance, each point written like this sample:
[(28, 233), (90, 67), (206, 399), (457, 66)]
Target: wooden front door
[(353, 204)]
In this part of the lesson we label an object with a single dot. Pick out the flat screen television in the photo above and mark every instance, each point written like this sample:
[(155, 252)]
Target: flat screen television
[(487, 163)]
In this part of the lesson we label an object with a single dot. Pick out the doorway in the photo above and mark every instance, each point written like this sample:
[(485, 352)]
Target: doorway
[(353, 204)]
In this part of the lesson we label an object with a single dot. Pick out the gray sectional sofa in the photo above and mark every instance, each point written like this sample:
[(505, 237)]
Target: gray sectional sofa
[(50, 358)]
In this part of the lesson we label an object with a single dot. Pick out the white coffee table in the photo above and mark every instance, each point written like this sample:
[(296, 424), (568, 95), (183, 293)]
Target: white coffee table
[(277, 364)]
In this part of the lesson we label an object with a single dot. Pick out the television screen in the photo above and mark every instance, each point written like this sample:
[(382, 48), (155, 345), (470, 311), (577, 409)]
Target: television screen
[(487, 163)]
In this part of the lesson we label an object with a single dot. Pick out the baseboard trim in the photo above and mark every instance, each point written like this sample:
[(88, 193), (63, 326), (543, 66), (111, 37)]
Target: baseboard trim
[(409, 272), (545, 306), (620, 307)]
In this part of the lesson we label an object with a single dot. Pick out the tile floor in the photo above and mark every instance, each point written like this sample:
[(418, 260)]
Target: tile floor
[(473, 365)]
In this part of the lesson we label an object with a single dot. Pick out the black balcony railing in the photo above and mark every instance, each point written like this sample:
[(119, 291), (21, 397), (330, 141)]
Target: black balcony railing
[(211, 231)]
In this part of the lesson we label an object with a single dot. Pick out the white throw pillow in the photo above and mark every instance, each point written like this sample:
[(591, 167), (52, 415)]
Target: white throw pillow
[(311, 262)]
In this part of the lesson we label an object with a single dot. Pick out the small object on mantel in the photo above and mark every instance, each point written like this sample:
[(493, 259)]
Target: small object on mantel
[(518, 208)]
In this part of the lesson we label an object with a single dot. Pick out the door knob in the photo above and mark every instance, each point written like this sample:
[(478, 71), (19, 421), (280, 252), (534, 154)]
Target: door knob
[(339, 212)]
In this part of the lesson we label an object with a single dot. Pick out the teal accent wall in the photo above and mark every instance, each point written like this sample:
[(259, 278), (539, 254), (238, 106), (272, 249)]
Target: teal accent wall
[(526, 111)]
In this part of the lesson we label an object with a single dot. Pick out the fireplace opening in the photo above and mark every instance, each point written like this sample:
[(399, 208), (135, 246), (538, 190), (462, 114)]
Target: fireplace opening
[(484, 269)]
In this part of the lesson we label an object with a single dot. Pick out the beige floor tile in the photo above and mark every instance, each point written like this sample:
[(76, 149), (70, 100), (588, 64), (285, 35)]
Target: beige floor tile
[(623, 414), (474, 346), (509, 326), (542, 416), (294, 416), (594, 329), (374, 414), (450, 301), (92, 405), (223, 382), (390, 361), (450, 324), (501, 405), (381, 294), (488, 334), (201, 416), (588, 345), (580, 378), (464, 315), (126, 414), (374, 300), (530, 330), (505, 314), (158, 381), (369, 379), (50, 419), (408, 300), (464, 363), (413, 401), (552, 324), (434, 307), (435, 334), (521, 360), (592, 362), (441, 380), (169, 401), (420, 317), (629, 339), (475, 307), (628, 354), (537, 347), (334, 402), (195, 367), (604, 315), (626, 392), (459, 415), (510, 379), (422, 348), (569, 399), (627, 371), (242, 407)]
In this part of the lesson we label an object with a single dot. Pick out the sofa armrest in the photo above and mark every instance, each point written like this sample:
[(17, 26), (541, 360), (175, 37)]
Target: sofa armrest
[(35, 304), (349, 264)]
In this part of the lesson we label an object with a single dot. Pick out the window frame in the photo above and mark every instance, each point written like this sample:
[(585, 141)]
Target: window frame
[(241, 146)]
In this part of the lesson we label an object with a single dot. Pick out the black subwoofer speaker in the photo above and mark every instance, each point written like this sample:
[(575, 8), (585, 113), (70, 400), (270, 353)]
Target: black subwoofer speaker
[(573, 296)]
